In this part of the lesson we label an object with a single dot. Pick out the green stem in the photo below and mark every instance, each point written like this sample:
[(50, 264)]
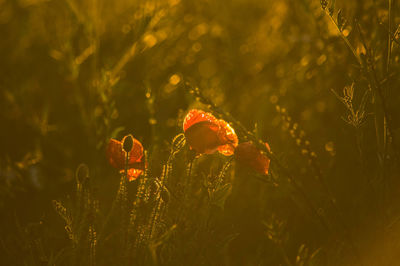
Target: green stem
[(345, 39), (389, 52)]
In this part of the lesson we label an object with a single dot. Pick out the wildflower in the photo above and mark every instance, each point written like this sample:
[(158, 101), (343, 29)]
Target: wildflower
[(206, 134), (249, 155), (117, 152)]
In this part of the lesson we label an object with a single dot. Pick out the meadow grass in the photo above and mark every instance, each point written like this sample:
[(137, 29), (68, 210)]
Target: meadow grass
[(315, 80)]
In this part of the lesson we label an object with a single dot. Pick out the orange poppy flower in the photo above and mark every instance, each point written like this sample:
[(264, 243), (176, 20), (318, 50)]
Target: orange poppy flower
[(249, 155), (116, 155), (206, 134)]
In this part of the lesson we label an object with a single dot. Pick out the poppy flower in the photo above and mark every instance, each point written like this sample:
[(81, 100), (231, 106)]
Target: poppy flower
[(206, 134), (116, 155), (249, 155)]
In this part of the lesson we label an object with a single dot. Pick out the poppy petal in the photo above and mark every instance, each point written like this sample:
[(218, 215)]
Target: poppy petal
[(136, 154), (196, 116), (203, 137), (249, 155), (115, 154), (206, 134), (228, 138)]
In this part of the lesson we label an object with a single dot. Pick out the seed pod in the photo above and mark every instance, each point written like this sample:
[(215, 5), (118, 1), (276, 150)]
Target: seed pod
[(82, 173), (127, 143)]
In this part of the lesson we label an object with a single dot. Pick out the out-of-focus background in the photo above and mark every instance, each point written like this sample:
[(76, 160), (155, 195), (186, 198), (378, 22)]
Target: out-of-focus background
[(317, 80)]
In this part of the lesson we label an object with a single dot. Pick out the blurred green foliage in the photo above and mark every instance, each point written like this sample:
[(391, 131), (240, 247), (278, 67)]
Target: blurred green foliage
[(318, 80)]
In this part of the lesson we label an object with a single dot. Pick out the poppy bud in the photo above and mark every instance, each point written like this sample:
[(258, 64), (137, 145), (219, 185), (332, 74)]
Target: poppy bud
[(82, 173), (127, 143)]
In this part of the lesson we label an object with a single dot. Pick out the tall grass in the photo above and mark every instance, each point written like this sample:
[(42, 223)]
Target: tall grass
[(316, 80)]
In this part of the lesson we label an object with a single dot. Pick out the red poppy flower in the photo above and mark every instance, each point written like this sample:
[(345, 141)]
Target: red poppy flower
[(206, 134), (249, 155), (116, 155)]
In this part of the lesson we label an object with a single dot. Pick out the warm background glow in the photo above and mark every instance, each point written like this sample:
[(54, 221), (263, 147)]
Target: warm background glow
[(320, 86)]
